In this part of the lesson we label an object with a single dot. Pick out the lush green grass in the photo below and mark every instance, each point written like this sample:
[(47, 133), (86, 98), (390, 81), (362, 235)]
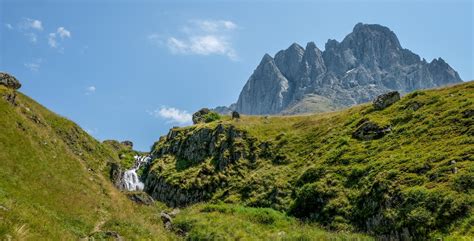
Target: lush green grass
[(54, 180), (416, 179), (234, 222)]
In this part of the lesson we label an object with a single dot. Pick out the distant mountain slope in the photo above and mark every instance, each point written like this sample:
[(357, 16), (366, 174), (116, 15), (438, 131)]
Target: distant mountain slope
[(404, 172), (368, 62), (54, 180)]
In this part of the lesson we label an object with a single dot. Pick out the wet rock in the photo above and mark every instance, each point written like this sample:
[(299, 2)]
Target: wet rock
[(9, 81), (370, 131), (385, 100), (140, 198), (198, 117)]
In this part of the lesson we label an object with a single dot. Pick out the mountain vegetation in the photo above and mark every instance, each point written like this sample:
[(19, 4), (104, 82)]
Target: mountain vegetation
[(397, 171), (56, 185)]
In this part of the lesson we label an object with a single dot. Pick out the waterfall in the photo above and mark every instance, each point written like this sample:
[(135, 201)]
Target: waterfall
[(130, 179)]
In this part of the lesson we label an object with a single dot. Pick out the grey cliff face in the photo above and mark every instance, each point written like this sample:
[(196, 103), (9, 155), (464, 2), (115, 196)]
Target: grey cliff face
[(265, 90), (368, 62)]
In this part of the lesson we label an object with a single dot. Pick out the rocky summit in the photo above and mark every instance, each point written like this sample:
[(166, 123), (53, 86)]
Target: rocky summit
[(368, 62), (9, 81)]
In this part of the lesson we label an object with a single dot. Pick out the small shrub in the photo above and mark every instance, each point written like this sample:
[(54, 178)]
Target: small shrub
[(464, 182), (311, 174), (211, 116)]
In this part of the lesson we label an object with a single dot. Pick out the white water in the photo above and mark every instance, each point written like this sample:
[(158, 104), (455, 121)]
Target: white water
[(130, 180)]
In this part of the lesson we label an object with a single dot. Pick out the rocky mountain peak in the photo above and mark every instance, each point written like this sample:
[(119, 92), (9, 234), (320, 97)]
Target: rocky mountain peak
[(368, 62)]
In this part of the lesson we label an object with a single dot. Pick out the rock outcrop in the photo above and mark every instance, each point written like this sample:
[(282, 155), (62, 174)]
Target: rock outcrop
[(385, 100), (369, 61), (140, 198), (198, 116), (370, 131), (9, 81), (127, 144), (223, 144)]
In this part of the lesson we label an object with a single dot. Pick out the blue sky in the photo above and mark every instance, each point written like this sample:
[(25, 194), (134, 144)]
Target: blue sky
[(133, 69)]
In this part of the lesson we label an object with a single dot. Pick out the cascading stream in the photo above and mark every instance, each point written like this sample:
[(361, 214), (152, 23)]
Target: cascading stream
[(130, 179)]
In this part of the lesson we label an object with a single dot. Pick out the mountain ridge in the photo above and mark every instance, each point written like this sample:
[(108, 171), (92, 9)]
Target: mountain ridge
[(367, 62)]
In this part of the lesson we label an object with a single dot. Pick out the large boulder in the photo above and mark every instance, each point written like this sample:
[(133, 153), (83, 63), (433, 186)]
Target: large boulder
[(198, 117), (205, 115), (9, 81), (385, 100)]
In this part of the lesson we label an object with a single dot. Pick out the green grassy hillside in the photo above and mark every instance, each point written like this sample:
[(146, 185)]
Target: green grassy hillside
[(55, 185), (54, 180), (415, 179)]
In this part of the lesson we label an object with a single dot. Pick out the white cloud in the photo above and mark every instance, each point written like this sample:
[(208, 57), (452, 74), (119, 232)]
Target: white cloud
[(63, 33), (53, 37), (172, 115), (214, 26), (201, 37), (9, 26), (29, 23), (52, 40), (177, 46), (34, 65), (90, 90)]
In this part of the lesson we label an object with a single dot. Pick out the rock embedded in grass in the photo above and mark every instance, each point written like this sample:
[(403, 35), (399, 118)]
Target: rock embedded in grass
[(385, 100), (198, 117), (370, 131)]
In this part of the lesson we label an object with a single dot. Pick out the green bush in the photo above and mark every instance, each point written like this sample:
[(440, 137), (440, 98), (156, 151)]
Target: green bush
[(211, 116), (311, 174), (464, 182)]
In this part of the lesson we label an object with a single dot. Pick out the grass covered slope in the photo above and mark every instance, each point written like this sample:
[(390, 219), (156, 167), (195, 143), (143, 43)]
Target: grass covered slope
[(235, 222), (413, 179), (54, 180)]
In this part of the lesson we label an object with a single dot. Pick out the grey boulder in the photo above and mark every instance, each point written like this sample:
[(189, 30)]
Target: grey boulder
[(385, 100), (9, 81)]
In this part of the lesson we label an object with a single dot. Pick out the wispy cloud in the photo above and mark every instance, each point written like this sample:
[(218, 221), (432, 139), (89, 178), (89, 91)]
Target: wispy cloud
[(201, 37), (31, 24), (32, 37), (52, 40), (29, 27), (60, 34), (172, 115), (9, 26), (90, 90), (34, 65)]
